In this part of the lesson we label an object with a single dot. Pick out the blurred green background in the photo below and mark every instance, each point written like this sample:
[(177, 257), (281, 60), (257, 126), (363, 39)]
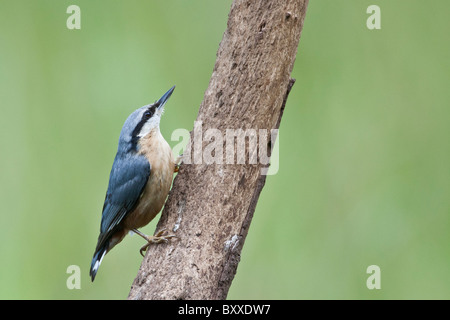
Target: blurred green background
[(364, 173)]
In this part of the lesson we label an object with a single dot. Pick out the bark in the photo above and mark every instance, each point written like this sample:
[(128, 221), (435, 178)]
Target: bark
[(210, 206)]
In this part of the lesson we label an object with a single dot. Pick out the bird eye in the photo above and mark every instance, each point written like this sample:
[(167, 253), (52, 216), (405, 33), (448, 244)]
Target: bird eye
[(147, 114)]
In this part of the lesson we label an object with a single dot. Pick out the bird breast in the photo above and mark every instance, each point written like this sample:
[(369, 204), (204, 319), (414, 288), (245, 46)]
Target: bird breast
[(162, 165)]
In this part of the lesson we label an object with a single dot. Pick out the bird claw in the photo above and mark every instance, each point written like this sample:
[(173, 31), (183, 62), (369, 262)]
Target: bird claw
[(156, 239), (178, 162)]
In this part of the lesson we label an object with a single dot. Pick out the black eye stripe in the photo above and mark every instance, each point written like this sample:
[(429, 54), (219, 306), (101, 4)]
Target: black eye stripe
[(145, 116), (149, 112)]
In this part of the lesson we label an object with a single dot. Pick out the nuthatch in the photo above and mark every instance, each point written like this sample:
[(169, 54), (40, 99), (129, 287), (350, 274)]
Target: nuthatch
[(139, 182)]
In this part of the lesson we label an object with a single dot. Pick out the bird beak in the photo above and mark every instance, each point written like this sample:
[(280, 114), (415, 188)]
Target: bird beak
[(162, 101)]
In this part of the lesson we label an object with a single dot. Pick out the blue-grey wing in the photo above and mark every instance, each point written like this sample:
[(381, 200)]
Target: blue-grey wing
[(127, 181)]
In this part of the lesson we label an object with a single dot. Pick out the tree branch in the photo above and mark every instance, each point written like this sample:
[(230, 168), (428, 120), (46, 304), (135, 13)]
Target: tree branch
[(211, 206)]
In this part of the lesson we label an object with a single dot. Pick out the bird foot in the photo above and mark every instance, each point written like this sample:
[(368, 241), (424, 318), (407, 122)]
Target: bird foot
[(178, 162), (156, 239)]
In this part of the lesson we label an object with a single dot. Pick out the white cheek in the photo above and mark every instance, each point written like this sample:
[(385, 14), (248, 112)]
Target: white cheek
[(149, 126)]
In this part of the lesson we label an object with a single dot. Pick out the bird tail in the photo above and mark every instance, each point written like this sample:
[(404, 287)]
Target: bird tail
[(97, 260)]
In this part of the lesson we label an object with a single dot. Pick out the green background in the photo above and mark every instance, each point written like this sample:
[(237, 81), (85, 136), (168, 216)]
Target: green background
[(364, 173)]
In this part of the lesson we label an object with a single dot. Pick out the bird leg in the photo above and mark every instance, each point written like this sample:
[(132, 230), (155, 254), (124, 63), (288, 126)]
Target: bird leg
[(178, 162), (158, 238)]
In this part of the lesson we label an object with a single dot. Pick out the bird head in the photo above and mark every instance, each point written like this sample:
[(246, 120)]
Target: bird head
[(142, 122)]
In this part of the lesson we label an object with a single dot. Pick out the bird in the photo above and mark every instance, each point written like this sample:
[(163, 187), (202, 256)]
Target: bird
[(139, 182)]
